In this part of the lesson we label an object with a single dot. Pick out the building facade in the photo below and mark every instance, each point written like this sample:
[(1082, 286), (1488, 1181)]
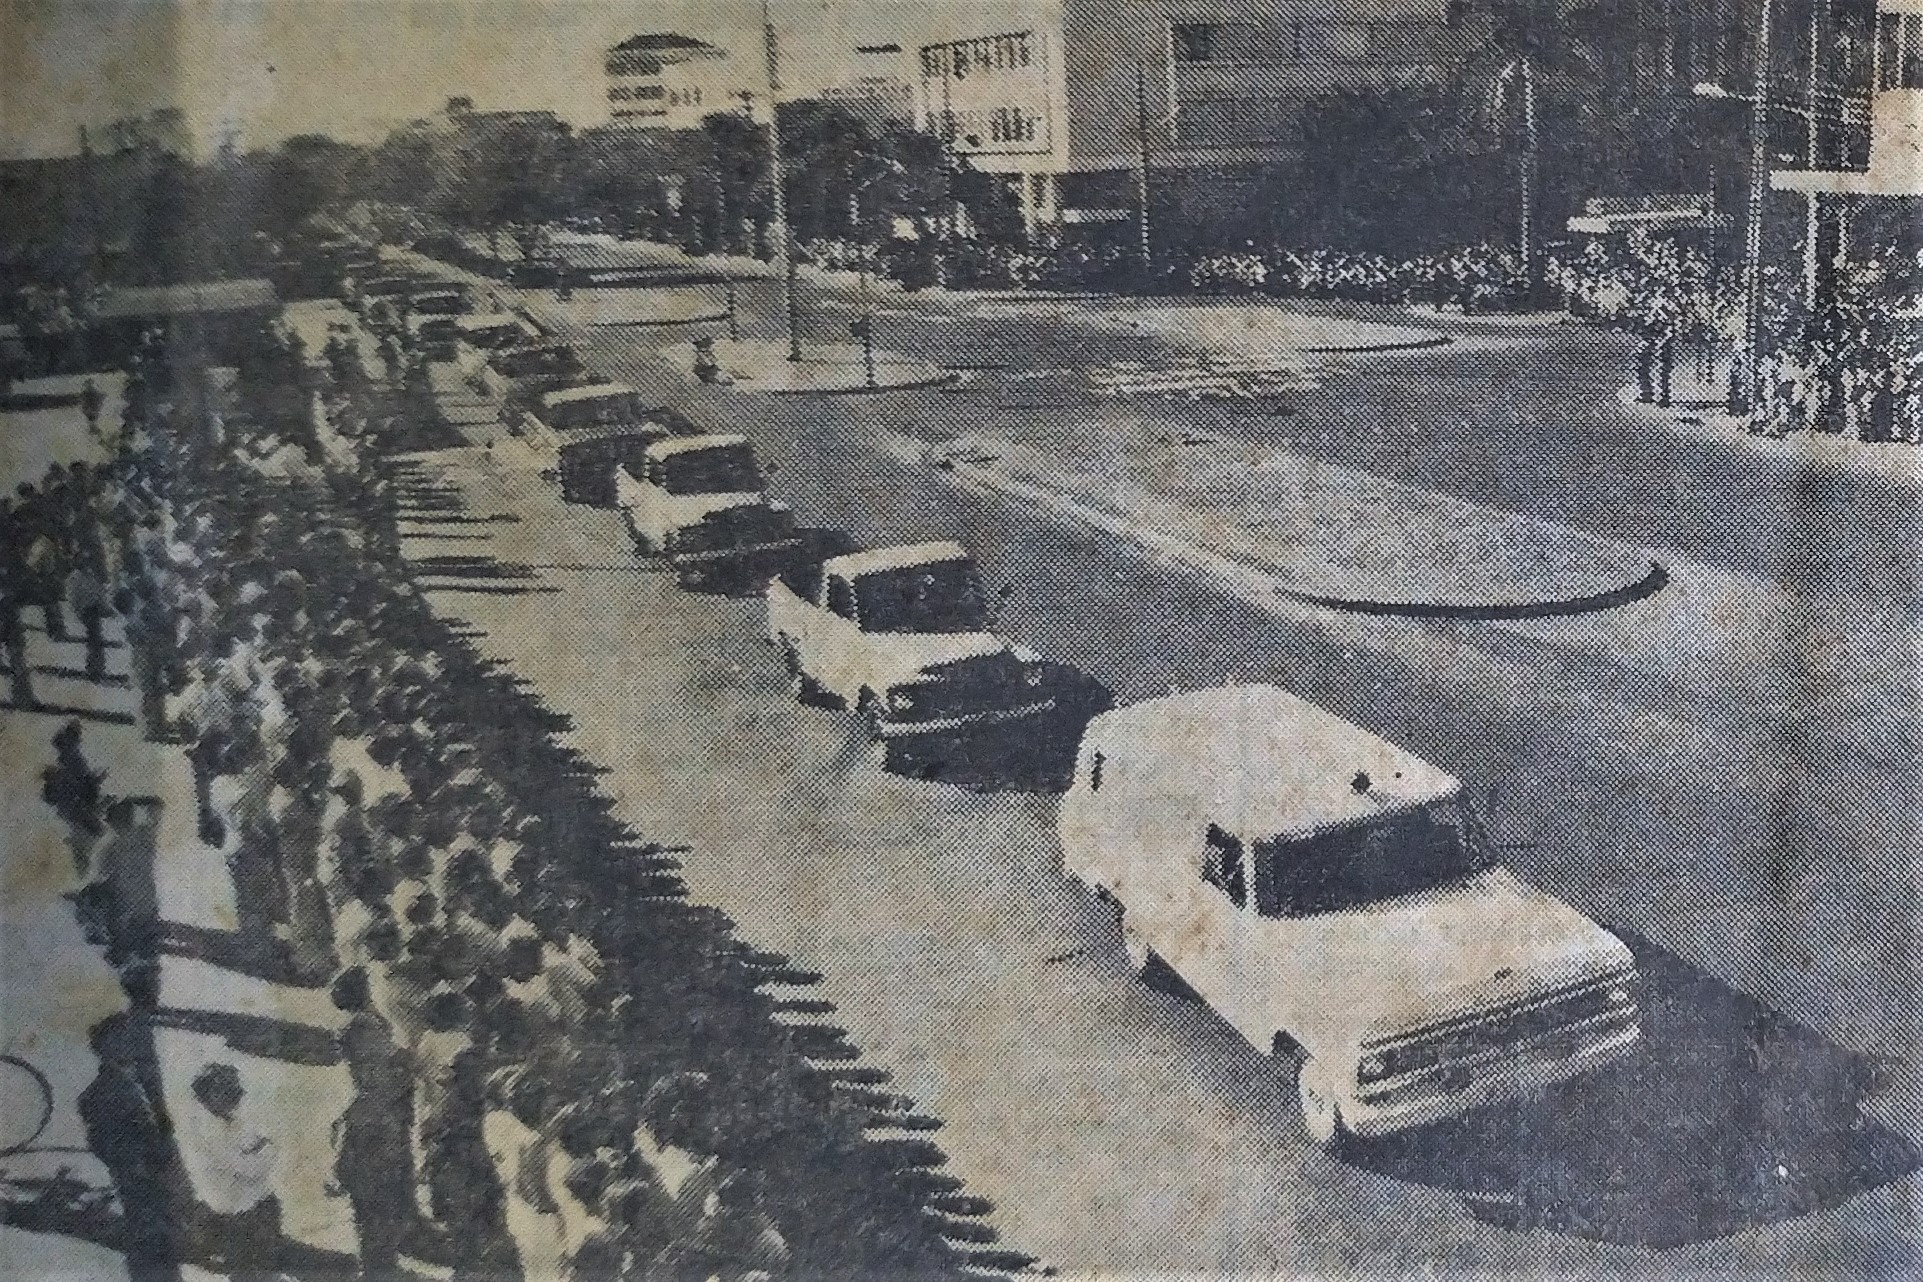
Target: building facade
[(663, 80), (1065, 96)]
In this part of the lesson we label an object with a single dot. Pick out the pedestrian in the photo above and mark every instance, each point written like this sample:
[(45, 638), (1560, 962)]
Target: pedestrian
[(90, 402), (128, 1129), (241, 1226), (72, 788), (87, 591), (13, 599), (372, 1165)]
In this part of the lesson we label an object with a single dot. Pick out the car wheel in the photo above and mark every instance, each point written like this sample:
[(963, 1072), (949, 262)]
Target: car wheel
[(1321, 1111), (868, 708)]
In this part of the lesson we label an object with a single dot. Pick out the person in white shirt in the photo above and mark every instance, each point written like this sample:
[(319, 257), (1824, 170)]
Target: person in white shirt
[(233, 1167)]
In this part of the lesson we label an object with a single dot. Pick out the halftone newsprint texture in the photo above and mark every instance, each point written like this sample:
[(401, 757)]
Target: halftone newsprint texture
[(871, 640)]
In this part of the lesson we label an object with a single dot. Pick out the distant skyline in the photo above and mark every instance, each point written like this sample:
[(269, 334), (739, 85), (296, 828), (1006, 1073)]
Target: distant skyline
[(263, 70)]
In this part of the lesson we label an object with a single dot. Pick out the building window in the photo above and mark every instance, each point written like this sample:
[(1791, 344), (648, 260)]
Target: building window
[(1904, 70), (1196, 41)]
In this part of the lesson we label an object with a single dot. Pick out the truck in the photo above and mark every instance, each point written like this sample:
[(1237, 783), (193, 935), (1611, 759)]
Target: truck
[(1336, 900), (904, 637), (701, 502), (590, 430)]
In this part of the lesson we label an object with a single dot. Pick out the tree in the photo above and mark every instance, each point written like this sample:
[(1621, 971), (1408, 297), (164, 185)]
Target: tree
[(1531, 45)]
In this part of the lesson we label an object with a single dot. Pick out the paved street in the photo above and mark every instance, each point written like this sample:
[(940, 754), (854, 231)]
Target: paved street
[(1715, 769)]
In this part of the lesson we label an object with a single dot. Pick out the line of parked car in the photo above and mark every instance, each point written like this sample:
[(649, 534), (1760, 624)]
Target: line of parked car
[(1335, 898)]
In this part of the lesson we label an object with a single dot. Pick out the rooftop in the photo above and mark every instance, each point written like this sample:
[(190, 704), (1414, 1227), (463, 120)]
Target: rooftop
[(1270, 763), (879, 560), (194, 298)]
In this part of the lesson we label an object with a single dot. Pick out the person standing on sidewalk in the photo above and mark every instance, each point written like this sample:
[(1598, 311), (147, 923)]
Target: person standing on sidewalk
[(13, 599), (87, 592), (72, 788), (90, 403), (372, 1164), (128, 1129), (237, 1164)]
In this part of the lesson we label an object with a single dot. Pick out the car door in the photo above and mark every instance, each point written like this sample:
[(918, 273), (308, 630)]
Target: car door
[(1214, 943)]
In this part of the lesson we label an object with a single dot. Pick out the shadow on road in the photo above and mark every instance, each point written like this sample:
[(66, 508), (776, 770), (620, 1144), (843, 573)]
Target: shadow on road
[(1035, 754), (1731, 1117)]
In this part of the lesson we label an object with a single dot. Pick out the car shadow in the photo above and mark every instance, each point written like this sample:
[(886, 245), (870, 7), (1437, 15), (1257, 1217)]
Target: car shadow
[(1731, 1116), (1035, 754)]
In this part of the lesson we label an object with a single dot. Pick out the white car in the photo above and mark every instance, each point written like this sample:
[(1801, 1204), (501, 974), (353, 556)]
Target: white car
[(1334, 898), (702, 502), (903, 636)]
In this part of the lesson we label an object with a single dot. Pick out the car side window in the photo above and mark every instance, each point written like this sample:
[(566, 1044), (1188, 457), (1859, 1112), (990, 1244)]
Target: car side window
[(1225, 866), (841, 597)]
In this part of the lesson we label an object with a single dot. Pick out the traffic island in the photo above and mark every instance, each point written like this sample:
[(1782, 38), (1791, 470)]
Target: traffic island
[(1315, 533), (1230, 329), (835, 370)]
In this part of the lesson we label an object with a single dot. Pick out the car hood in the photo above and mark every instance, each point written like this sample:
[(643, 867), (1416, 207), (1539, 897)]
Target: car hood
[(689, 508), (1407, 962), (911, 655)]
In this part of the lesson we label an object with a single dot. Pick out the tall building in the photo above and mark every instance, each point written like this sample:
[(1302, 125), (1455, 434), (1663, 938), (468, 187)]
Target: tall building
[(1055, 93), (662, 80)]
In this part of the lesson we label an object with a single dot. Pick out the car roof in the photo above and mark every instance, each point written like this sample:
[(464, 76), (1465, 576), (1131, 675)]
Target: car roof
[(491, 320), (1264, 762), (876, 560), (586, 392), (695, 444)]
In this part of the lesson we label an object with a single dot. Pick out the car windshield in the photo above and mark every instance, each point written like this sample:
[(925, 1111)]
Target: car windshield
[(1367, 862), (941, 596), (725, 469)]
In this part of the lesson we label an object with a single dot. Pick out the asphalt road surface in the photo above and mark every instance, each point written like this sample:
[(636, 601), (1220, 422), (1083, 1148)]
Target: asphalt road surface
[(1717, 771)]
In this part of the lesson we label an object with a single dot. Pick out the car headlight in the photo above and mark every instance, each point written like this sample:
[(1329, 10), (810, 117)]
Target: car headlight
[(902, 699), (1032, 676), (1373, 1068)]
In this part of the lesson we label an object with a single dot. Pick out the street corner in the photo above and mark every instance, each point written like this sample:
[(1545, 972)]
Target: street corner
[(1309, 532), (844, 370)]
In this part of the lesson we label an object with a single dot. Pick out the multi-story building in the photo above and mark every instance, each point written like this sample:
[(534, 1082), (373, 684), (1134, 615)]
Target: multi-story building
[(1056, 93), (662, 80)]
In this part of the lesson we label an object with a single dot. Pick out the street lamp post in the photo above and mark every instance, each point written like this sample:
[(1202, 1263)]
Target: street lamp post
[(1751, 386), (1753, 219), (790, 271), (865, 327)]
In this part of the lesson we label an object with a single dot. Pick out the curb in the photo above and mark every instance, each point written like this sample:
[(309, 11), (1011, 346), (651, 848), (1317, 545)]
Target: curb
[(1653, 581), (938, 380)]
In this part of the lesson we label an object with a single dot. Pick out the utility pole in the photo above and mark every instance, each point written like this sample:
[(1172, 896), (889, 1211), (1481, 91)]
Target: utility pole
[(1753, 223), (790, 270), (1812, 214), (866, 325), (1143, 233)]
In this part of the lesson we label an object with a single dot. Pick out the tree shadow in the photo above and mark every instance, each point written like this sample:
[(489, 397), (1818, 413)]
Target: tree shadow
[(45, 709), (1729, 1117), (257, 1035)]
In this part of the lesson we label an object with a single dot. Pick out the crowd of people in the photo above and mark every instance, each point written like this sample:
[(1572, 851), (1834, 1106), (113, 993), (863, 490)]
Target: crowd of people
[(560, 1068), (1474, 278)]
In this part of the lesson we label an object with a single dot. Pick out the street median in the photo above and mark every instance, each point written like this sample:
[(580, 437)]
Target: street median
[(1318, 534)]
